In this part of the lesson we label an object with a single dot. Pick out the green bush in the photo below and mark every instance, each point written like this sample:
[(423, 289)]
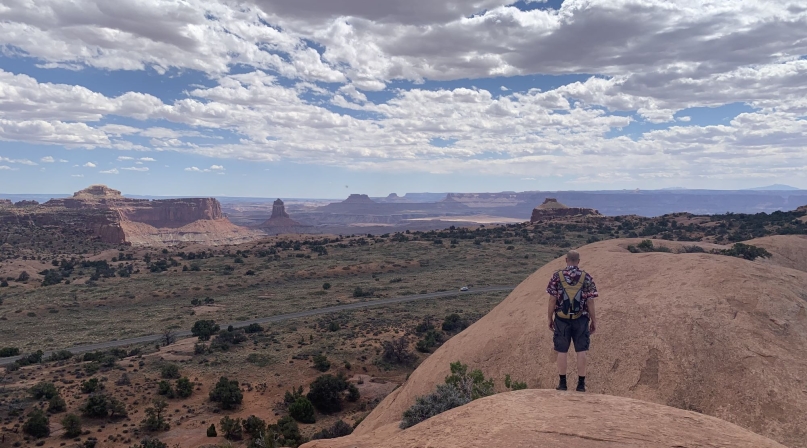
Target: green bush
[(338, 429), (746, 251), (231, 428), (211, 431), (101, 405), (460, 388), (61, 355), (5, 352), (56, 404), (353, 394), (513, 385), (184, 388), (72, 426), (254, 427), (321, 363), (170, 371), (454, 323), (164, 388), (227, 393), (37, 424), (204, 329), (326, 286), (43, 390), (287, 431), (91, 385), (149, 442), (326, 393), (155, 416), (302, 410), (253, 328)]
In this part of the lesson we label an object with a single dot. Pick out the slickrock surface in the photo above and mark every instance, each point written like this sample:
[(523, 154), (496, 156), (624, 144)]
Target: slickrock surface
[(715, 334), (546, 418)]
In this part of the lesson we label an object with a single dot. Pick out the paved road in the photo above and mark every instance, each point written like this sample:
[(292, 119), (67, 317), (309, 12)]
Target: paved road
[(277, 318)]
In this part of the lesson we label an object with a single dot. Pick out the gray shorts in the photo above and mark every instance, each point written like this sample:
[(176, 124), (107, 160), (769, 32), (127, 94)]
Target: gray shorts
[(568, 330)]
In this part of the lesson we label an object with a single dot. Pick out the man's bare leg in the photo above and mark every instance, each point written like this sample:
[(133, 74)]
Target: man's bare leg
[(562, 357), (581, 371), (581, 363)]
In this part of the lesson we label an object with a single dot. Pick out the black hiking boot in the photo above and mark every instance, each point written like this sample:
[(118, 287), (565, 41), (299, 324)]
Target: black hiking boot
[(561, 383), (581, 385)]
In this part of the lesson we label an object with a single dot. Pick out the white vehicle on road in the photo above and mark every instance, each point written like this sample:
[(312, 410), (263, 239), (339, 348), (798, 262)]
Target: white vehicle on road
[(464, 288)]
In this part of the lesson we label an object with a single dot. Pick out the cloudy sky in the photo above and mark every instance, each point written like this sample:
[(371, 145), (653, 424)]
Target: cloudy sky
[(323, 98)]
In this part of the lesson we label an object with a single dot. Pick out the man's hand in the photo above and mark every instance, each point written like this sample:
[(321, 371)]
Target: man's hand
[(552, 324), (592, 327)]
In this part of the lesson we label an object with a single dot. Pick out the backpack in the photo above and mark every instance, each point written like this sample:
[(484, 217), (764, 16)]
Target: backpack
[(571, 306)]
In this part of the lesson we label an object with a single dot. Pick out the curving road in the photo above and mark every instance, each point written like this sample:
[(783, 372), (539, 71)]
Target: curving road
[(277, 318)]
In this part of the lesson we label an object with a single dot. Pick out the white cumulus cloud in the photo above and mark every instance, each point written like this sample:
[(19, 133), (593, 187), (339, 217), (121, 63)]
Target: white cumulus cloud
[(110, 171), (89, 165)]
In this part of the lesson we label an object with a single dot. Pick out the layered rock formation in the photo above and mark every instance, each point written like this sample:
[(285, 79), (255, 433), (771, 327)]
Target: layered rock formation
[(552, 209), (280, 222), (719, 335), (546, 418), (112, 218)]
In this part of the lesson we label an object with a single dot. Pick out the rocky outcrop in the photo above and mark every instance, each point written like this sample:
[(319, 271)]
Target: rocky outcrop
[(358, 199), (552, 209), (6, 203), (116, 219), (280, 222), (26, 203), (711, 327), (547, 418)]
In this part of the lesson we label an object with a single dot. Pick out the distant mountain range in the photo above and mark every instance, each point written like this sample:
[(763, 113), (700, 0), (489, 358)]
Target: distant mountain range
[(775, 187)]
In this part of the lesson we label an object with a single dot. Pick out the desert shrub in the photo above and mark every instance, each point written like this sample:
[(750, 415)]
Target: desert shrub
[(124, 380), (170, 371), (184, 388), (302, 410), (31, 358), (326, 286), (692, 249), (253, 328), (326, 393), (430, 340), (37, 424), (359, 292), (353, 394), (52, 277), (254, 427), (72, 426), (321, 363), (43, 390), (397, 351), (150, 442), (461, 387), (155, 416), (444, 398), (5, 352), (333, 326), (101, 405), (292, 396), (338, 429), (200, 349), (646, 246), (91, 385), (287, 432), (227, 393), (204, 329), (61, 355), (231, 428), (513, 385), (454, 323), (56, 404), (3, 283), (746, 251), (211, 431), (23, 277), (164, 388)]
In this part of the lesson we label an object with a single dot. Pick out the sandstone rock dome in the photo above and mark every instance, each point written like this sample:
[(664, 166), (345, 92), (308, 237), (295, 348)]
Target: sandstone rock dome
[(715, 334), (546, 418)]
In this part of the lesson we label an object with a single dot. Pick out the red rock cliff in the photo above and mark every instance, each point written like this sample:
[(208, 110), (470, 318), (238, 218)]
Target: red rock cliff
[(169, 213)]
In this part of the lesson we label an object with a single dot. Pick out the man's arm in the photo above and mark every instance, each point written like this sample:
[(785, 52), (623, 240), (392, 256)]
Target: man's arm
[(592, 317), (551, 312)]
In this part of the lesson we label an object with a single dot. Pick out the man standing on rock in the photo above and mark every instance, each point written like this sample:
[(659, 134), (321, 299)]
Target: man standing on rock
[(571, 316)]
